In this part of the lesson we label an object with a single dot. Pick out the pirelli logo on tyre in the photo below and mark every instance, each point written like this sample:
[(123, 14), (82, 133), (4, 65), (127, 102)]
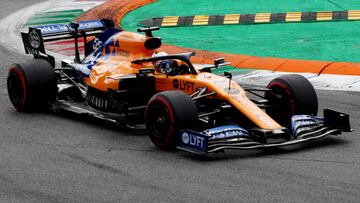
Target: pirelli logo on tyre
[(257, 18)]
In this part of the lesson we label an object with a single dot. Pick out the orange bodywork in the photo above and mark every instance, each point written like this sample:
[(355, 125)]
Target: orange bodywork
[(115, 63), (189, 83)]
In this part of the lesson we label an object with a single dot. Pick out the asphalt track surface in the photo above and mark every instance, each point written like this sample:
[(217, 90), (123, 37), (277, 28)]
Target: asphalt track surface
[(54, 158)]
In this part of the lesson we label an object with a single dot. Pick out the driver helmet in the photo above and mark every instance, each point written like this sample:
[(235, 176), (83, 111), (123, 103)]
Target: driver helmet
[(164, 66), (161, 53)]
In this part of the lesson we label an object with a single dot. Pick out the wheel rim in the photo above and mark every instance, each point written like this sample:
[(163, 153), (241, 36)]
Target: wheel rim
[(160, 122), (16, 88)]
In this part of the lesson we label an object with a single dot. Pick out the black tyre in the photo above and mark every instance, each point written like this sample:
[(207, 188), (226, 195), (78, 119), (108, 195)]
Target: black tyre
[(291, 94), (168, 112), (32, 85)]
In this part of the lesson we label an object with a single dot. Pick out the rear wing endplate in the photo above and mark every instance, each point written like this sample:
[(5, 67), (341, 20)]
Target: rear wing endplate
[(33, 42)]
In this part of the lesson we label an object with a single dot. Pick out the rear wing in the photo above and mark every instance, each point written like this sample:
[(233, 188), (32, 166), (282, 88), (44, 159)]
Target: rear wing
[(34, 40)]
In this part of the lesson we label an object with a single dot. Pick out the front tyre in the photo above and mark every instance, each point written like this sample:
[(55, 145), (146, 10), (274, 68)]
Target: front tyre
[(291, 95), (31, 86), (167, 113)]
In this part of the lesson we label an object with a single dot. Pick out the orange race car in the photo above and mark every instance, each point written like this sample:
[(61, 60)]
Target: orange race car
[(123, 79)]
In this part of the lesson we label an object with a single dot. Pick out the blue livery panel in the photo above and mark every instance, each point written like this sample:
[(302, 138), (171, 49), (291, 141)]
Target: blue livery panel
[(102, 38), (193, 141), (301, 123), (197, 142)]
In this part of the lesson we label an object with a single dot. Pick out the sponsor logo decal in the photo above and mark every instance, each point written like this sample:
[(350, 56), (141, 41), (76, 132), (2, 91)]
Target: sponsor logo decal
[(226, 132), (34, 39), (185, 138), (193, 141), (90, 24), (183, 85), (176, 83), (53, 28), (229, 134), (66, 27), (117, 51), (97, 43)]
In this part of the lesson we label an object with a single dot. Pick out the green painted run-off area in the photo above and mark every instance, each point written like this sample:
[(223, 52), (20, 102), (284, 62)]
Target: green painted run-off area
[(334, 41)]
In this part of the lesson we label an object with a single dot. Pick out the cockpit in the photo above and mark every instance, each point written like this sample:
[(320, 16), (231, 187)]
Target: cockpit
[(177, 64)]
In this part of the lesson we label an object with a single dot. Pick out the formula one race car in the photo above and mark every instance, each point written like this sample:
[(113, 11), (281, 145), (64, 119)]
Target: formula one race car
[(123, 79)]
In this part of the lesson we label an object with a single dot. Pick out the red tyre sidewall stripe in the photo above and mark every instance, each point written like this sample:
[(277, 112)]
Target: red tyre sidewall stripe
[(21, 76), (291, 99)]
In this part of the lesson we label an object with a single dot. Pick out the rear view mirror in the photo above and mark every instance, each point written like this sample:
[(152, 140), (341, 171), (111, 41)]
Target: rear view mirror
[(220, 62)]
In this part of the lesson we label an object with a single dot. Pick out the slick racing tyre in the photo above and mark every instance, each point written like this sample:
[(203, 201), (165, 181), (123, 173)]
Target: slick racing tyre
[(168, 112), (290, 95), (31, 86)]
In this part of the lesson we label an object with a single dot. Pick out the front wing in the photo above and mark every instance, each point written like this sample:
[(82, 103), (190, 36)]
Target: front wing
[(305, 128)]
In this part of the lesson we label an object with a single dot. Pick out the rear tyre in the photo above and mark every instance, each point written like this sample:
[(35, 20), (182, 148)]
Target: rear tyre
[(291, 94), (168, 112), (31, 86)]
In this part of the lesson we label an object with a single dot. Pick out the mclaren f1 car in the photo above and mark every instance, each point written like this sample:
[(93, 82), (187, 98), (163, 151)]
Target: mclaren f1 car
[(123, 78)]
